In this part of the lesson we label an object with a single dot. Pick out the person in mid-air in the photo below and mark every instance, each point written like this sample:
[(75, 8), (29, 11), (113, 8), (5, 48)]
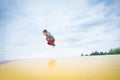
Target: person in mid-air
[(50, 39)]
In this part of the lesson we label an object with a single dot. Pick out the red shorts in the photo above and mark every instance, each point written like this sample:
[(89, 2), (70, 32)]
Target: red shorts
[(51, 42)]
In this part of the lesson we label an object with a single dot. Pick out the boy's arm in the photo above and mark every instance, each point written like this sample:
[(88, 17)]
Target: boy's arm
[(46, 39), (50, 36)]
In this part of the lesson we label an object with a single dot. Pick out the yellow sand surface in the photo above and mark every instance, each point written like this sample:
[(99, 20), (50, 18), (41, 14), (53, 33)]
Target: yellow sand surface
[(76, 68)]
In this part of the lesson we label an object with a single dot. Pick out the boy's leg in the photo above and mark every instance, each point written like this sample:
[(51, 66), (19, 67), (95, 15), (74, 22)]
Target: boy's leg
[(51, 42)]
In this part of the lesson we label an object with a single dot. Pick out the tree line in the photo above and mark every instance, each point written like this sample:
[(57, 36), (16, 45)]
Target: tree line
[(110, 52)]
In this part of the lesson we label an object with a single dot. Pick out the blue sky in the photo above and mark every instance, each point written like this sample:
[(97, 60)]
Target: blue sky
[(79, 26)]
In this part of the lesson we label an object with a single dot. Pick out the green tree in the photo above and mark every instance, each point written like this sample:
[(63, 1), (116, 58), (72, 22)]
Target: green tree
[(94, 53), (97, 53), (114, 51), (82, 54)]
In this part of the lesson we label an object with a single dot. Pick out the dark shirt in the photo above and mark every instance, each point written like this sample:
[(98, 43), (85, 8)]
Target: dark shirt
[(49, 36)]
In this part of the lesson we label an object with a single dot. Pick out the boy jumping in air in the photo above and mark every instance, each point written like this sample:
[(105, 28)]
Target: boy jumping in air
[(50, 39)]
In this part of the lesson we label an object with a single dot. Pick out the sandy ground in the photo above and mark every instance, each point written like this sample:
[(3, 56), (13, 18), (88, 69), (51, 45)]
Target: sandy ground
[(76, 68)]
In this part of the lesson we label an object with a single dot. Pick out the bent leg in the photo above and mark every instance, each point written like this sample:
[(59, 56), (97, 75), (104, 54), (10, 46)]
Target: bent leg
[(51, 42)]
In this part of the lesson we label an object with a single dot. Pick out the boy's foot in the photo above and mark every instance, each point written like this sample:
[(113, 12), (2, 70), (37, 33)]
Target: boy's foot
[(54, 45)]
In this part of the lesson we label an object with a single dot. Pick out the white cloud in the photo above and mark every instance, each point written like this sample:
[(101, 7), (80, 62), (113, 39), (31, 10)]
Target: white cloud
[(77, 26)]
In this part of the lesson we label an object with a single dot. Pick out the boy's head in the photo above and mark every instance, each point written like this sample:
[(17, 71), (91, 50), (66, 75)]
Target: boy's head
[(45, 32)]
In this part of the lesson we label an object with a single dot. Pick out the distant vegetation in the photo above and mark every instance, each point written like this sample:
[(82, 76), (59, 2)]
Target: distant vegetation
[(110, 52)]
